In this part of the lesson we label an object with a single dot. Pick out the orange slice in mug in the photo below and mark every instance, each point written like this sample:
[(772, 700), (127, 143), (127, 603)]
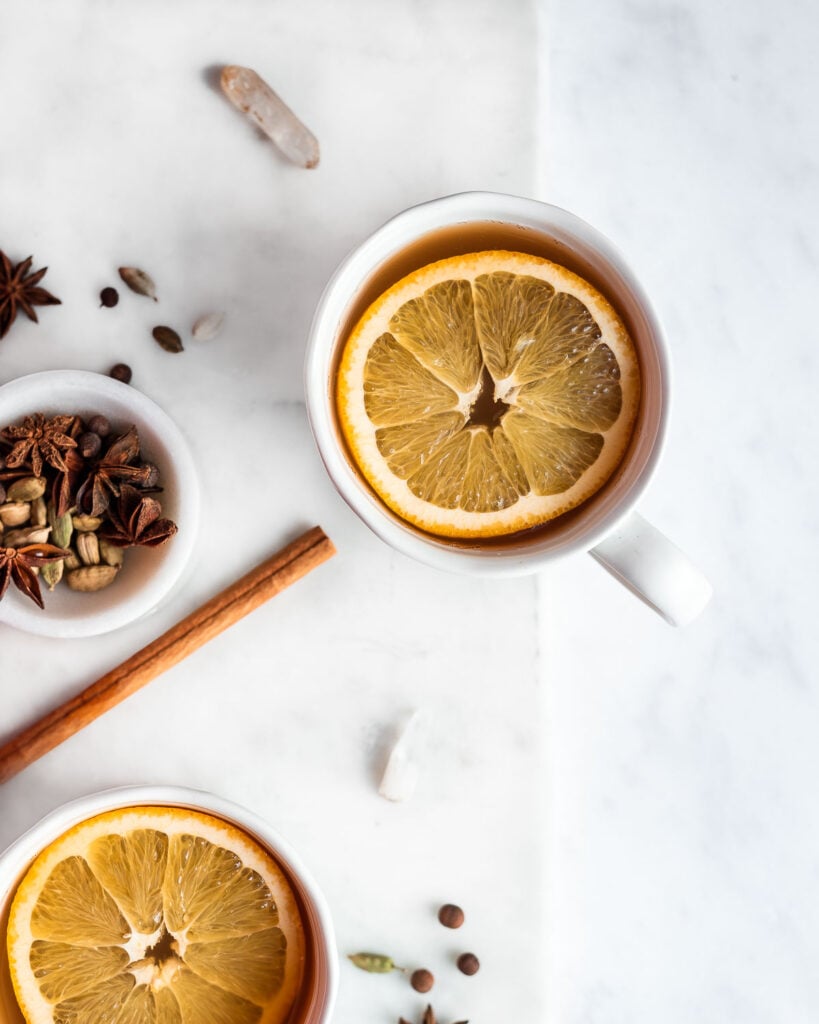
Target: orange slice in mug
[(488, 393), (155, 915)]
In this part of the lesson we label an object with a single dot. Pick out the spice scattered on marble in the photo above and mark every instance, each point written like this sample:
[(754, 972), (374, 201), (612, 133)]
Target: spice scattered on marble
[(468, 963), (422, 980), (139, 281), (374, 963), (451, 916), (167, 338), (207, 326), (20, 291)]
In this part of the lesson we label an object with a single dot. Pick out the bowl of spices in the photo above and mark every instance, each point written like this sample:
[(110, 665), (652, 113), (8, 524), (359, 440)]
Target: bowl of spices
[(99, 504)]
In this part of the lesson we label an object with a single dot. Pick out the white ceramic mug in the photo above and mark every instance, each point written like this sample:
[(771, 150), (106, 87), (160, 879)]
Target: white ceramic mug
[(315, 1004), (606, 526)]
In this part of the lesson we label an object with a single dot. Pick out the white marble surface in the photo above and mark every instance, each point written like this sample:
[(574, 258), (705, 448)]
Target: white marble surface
[(684, 849), (123, 152), (663, 813)]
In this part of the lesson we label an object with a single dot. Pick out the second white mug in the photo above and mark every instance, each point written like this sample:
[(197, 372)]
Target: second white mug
[(607, 526)]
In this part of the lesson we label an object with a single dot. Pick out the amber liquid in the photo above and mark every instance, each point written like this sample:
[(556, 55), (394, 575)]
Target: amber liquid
[(459, 240), (9, 1010)]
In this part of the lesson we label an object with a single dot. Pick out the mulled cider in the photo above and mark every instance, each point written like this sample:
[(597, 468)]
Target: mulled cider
[(486, 382), (161, 913)]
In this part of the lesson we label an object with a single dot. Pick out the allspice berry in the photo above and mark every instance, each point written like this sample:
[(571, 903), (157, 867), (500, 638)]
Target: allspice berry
[(422, 980), (121, 372), (89, 444), (100, 425), (109, 297), (468, 963), (451, 916)]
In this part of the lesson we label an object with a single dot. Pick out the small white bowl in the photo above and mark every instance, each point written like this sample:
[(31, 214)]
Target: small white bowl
[(149, 573), (321, 983)]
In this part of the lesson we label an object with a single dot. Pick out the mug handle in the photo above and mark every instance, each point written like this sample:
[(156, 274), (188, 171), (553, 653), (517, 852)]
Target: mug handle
[(654, 569)]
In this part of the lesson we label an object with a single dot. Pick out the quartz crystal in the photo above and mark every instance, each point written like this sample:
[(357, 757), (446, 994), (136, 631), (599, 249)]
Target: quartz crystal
[(254, 97)]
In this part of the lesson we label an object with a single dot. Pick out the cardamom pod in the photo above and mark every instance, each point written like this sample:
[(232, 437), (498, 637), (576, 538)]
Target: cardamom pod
[(90, 578), (27, 489), (86, 524), (39, 513), (88, 548), (26, 535), (375, 963), (51, 573), (167, 338), (62, 527), (207, 326), (110, 553), (15, 513), (72, 560), (138, 281)]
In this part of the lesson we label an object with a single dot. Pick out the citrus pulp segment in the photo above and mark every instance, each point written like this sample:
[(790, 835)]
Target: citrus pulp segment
[(488, 393), (155, 915)]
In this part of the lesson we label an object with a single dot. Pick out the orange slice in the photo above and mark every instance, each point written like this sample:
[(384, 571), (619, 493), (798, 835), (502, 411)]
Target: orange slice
[(488, 393), (155, 915)]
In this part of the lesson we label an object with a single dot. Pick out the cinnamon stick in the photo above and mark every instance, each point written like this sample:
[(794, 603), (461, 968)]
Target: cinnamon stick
[(221, 611)]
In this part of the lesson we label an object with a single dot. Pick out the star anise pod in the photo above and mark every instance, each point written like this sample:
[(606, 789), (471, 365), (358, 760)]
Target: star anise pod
[(135, 520), (8, 476), (17, 564), (106, 476), (65, 483), (428, 1018), (39, 440), (19, 290)]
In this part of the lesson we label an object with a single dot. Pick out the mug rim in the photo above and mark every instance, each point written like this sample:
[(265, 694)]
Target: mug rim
[(15, 859), (403, 229)]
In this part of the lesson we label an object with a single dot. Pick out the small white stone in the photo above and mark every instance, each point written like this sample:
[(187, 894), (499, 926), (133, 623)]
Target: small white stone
[(401, 773)]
